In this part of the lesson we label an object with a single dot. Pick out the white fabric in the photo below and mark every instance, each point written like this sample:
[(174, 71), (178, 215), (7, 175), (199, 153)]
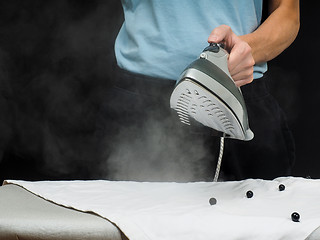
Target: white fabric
[(174, 211)]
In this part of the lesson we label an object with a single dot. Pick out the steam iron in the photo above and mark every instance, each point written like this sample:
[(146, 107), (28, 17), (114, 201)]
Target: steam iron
[(205, 92)]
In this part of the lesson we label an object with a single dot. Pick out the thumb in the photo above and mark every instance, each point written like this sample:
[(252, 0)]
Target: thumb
[(223, 33)]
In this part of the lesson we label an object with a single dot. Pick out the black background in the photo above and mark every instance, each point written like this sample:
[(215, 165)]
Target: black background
[(56, 61)]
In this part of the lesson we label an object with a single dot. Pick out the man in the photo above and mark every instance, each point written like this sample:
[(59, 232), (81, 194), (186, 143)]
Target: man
[(156, 42)]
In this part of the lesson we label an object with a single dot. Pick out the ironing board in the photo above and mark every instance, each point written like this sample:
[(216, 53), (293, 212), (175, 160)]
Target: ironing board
[(24, 215)]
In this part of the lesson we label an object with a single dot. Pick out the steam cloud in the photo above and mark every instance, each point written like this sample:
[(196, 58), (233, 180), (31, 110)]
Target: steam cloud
[(160, 149)]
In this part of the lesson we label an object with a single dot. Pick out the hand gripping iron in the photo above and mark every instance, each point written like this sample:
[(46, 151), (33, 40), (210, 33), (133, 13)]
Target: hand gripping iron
[(206, 93)]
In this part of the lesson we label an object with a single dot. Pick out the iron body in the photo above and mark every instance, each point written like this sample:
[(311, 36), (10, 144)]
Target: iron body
[(206, 93)]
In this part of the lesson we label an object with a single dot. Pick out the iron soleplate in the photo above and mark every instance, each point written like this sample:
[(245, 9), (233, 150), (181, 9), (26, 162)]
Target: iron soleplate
[(191, 100)]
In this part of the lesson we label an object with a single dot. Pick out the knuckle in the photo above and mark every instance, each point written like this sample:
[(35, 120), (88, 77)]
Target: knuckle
[(248, 64), (252, 62), (245, 47), (226, 27), (250, 80), (250, 72), (242, 48), (216, 31)]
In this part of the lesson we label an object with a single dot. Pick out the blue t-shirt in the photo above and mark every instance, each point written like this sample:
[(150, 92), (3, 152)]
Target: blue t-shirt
[(161, 37)]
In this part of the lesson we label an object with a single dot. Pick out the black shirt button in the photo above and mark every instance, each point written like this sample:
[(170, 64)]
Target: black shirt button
[(212, 201), (282, 187), (295, 217), (249, 194)]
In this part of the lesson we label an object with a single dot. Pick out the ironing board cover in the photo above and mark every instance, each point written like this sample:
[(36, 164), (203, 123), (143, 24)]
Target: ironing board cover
[(167, 211)]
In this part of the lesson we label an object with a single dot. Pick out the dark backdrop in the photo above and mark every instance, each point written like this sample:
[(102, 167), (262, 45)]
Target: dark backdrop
[(56, 61)]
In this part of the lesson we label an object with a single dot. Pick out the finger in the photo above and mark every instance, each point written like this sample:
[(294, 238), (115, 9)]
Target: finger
[(243, 82), (219, 34), (240, 57), (244, 65), (244, 74)]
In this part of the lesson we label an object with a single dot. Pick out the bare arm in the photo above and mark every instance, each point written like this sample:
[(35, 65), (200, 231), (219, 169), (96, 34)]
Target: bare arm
[(274, 35), (277, 32)]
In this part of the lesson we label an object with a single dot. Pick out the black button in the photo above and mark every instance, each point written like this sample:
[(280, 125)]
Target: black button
[(249, 194), (295, 217), (212, 201), (213, 47), (282, 187)]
